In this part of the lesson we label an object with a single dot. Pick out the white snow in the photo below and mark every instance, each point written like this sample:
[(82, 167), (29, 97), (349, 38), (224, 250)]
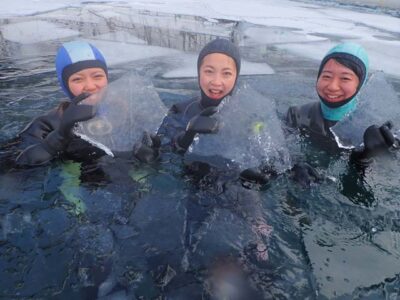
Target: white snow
[(302, 28), (35, 31)]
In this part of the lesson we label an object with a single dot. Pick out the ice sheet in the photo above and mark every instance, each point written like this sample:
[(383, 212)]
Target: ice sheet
[(35, 31), (249, 134), (129, 106), (119, 52)]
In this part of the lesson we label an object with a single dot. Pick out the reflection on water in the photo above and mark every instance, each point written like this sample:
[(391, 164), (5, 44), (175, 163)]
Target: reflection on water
[(142, 232)]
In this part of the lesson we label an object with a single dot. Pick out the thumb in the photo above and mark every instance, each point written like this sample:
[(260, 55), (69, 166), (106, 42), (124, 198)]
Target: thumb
[(387, 135), (146, 139), (79, 98), (313, 172), (156, 140), (388, 124)]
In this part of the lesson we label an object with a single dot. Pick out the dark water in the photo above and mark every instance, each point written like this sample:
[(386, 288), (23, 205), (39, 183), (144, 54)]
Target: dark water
[(153, 232)]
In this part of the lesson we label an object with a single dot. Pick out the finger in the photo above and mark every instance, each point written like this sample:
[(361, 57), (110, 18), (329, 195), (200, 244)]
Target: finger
[(84, 113), (80, 97), (313, 173), (388, 124), (387, 135), (156, 140), (253, 175), (146, 139)]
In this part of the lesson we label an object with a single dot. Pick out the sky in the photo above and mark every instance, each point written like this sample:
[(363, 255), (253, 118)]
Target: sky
[(305, 29)]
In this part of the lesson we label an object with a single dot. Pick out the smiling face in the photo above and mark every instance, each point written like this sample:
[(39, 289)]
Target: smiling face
[(217, 75), (337, 82), (89, 80)]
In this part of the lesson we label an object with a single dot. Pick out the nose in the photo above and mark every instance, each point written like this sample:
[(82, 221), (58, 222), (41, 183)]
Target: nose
[(334, 84), (217, 79), (90, 85)]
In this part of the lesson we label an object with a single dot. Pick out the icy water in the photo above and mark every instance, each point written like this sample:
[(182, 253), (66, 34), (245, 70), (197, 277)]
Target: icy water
[(137, 231)]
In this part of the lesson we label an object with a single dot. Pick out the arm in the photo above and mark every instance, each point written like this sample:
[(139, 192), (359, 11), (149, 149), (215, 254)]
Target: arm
[(38, 129), (49, 144), (183, 122)]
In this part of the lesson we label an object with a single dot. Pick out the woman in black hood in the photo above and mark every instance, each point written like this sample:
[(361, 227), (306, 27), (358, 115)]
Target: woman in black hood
[(218, 67)]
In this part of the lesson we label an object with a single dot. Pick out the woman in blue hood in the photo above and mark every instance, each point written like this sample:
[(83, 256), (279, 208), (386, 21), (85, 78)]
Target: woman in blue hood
[(81, 71), (342, 73)]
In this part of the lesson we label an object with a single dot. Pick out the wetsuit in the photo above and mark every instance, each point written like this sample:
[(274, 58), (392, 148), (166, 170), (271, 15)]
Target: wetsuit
[(308, 118), (77, 149)]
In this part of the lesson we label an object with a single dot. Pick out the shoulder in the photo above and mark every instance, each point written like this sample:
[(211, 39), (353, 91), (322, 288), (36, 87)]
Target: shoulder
[(182, 107), (300, 115)]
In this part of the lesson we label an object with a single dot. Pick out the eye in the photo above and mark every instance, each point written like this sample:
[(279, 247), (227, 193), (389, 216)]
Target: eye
[(99, 76), (227, 73), (76, 79), (208, 71)]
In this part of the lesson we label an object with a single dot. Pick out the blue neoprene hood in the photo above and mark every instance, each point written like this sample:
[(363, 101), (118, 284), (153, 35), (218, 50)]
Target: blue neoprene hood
[(75, 56), (357, 56)]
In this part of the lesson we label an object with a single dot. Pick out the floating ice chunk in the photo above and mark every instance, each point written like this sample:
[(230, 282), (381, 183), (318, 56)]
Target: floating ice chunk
[(128, 106), (35, 31), (382, 53), (251, 68), (249, 133), (187, 66), (276, 35), (117, 52), (377, 103), (121, 36)]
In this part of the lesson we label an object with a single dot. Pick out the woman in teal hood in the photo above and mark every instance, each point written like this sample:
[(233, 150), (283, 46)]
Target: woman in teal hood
[(342, 73)]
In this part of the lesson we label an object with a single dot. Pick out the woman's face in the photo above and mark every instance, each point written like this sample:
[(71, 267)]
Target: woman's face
[(217, 75), (89, 80), (336, 82)]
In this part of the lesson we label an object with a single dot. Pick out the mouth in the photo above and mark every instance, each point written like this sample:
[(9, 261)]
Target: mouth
[(215, 93), (333, 98)]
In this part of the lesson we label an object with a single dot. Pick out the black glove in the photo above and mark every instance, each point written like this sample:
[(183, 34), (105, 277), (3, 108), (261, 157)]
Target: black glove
[(148, 149), (378, 140), (305, 174), (58, 139), (201, 123), (260, 175), (254, 175)]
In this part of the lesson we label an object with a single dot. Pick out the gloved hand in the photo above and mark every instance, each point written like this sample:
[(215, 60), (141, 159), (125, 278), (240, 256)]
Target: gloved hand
[(260, 175), (74, 113), (378, 140), (58, 139), (148, 149), (201, 123), (254, 175), (305, 174)]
